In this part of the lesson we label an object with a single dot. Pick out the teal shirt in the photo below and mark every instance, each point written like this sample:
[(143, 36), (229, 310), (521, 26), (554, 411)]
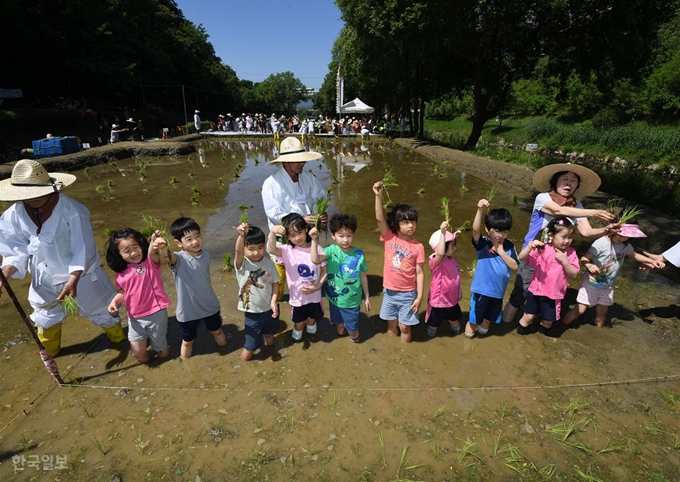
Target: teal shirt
[(343, 284)]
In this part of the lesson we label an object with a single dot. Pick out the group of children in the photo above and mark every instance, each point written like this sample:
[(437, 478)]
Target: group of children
[(339, 272)]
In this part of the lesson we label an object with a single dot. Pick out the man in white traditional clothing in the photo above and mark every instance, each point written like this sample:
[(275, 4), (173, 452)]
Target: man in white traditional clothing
[(50, 236), (197, 121), (291, 189)]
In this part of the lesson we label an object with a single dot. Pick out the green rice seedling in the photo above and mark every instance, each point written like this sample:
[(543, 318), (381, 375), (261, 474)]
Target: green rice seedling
[(389, 180), (421, 191), (670, 398), (335, 401), (654, 428), (472, 269), (108, 232), (100, 445), (515, 459), (497, 444), (628, 213), (243, 218), (142, 174), (139, 443), (505, 409), (515, 199), (436, 450), (259, 456), (146, 416), (220, 181), (87, 413), (109, 184), (466, 450), (445, 209), (381, 440), (574, 405), (87, 170), (227, 266), (613, 204), (491, 193), (194, 200), (100, 189), (563, 430), (635, 447), (587, 476), (611, 447), (194, 189), (70, 305), (404, 462), (173, 180), (320, 207), (182, 469), (548, 472), (583, 447), (192, 173), (438, 413), (463, 186), (25, 444), (676, 444), (465, 226)]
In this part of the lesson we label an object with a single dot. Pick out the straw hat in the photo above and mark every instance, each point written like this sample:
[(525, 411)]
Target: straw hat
[(292, 150), (197, 111), (436, 236), (630, 231), (589, 180), (114, 126), (131, 121), (30, 180)]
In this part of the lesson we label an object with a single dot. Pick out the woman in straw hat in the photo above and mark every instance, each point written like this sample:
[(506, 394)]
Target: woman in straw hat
[(290, 189), (50, 235), (557, 184)]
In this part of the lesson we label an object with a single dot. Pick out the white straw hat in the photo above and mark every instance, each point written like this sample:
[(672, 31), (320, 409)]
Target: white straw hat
[(292, 150), (30, 180), (590, 181)]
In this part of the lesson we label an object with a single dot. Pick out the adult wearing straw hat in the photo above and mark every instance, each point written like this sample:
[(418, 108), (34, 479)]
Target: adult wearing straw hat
[(291, 189), (49, 235), (558, 185)]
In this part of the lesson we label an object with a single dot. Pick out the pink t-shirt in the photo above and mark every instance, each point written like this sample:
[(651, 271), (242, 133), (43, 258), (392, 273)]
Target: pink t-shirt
[(401, 257), (550, 279), (300, 271), (445, 284), (144, 292)]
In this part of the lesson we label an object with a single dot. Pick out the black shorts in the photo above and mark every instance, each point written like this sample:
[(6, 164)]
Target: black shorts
[(188, 329), (298, 314), (438, 315)]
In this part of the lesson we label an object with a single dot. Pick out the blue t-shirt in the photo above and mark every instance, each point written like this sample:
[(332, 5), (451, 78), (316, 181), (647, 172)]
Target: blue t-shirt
[(492, 274)]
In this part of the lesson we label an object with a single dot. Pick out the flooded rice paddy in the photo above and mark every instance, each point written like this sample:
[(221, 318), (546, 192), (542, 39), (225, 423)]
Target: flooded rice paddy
[(594, 404)]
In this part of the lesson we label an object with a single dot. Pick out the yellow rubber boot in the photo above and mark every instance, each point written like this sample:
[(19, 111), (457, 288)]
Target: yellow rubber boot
[(281, 270), (51, 338), (115, 333)]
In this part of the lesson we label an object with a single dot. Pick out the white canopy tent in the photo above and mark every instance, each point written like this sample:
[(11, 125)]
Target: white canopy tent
[(356, 106)]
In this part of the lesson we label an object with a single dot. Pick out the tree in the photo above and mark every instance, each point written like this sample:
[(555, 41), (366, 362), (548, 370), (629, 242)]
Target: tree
[(280, 93)]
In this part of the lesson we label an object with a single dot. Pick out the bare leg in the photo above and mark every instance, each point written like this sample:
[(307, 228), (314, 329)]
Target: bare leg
[(393, 327), (405, 333), (574, 313), (138, 349), (186, 349), (220, 337), (509, 313), (600, 315), (246, 355)]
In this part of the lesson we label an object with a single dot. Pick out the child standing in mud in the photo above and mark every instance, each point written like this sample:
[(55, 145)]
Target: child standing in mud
[(196, 299), (603, 262), (554, 262), (305, 278), (137, 264), (346, 275), (403, 275), (496, 259), (444, 292), (258, 289)]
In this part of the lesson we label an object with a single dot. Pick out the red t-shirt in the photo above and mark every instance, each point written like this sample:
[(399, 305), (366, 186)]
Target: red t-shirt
[(401, 257)]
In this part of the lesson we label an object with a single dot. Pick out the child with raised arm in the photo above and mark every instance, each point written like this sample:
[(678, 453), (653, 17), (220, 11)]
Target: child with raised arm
[(258, 285), (196, 299), (603, 262), (346, 265), (137, 264), (444, 292), (554, 263), (305, 278), (496, 259), (403, 275)]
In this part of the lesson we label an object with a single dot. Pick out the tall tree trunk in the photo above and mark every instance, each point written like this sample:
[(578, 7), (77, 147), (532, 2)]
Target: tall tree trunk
[(478, 122)]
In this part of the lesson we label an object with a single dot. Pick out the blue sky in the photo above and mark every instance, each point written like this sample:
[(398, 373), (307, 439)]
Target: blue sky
[(258, 38)]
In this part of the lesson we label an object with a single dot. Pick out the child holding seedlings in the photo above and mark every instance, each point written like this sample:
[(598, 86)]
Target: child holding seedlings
[(444, 293), (196, 300), (603, 262), (403, 275), (258, 284), (496, 259), (137, 264), (554, 262), (346, 265), (305, 278)]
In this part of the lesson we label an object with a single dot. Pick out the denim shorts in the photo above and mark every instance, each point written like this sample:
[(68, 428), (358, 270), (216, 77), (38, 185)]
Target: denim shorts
[(188, 329), (347, 316), (396, 305), (153, 326), (258, 324)]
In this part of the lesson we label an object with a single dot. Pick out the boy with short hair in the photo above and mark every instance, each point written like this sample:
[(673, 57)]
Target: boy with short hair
[(258, 283), (346, 265), (496, 258), (196, 299)]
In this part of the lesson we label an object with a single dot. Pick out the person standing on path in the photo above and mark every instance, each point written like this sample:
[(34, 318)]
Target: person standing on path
[(197, 121), (49, 235), (291, 189)]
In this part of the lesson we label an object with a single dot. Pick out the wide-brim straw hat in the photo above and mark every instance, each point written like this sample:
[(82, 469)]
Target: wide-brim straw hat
[(114, 126), (630, 231), (197, 111), (131, 121), (292, 150), (590, 181), (30, 180)]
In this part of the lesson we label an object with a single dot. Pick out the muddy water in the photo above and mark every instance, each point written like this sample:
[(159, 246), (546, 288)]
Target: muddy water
[(502, 407)]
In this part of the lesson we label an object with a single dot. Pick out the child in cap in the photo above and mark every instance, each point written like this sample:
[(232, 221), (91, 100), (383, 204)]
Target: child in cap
[(603, 262), (444, 293)]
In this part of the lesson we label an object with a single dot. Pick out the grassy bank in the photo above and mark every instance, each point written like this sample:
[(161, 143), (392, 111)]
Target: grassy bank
[(638, 161)]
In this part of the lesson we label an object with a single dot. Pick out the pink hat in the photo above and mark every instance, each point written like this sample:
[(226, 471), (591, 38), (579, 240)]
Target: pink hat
[(434, 239), (631, 231)]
